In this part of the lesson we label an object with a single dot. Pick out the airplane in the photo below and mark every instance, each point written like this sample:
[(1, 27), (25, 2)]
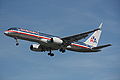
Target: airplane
[(47, 42)]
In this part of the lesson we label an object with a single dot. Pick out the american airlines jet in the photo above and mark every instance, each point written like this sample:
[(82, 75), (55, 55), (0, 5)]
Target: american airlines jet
[(46, 42)]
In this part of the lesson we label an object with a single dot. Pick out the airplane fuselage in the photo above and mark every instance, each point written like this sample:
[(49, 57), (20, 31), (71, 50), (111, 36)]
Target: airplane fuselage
[(45, 40)]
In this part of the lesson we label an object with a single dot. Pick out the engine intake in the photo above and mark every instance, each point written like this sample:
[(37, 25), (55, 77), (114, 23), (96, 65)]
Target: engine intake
[(56, 40), (36, 47)]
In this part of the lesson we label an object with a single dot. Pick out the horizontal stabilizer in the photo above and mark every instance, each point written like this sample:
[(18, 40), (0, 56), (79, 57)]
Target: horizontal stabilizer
[(99, 47)]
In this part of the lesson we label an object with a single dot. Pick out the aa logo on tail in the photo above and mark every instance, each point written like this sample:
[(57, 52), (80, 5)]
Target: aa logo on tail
[(93, 39)]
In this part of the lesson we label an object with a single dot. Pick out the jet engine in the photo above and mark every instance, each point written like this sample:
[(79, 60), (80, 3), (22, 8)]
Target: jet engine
[(37, 47), (56, 40)]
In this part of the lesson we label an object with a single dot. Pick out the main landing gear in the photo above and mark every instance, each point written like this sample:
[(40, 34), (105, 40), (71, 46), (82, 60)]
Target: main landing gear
[(50, 53), (62, 50), (17, 43)]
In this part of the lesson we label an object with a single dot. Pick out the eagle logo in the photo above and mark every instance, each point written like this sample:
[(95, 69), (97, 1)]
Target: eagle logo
[(93, 39)]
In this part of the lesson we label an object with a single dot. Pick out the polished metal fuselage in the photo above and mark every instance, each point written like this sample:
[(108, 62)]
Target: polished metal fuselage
[(44, 39)]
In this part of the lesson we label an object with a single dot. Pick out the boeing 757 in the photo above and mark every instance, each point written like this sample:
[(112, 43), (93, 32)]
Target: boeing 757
[(46, 42)]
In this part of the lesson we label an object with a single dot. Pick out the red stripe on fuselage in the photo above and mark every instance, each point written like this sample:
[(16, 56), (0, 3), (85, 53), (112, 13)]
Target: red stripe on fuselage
[(29, 34), (44, 37), (79, 45)]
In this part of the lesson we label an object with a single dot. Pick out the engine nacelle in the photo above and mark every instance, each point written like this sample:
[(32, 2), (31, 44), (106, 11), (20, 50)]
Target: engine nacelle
[(56, 40), (36, 47)]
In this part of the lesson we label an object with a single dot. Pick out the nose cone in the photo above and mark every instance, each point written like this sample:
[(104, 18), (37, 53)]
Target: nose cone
[(6, 32)]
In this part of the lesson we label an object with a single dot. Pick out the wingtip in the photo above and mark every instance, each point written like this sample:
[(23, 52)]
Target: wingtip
[(100, 25), (110, 44)]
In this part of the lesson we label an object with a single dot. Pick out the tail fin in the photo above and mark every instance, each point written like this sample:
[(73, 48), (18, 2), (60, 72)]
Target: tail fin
[(94, 38)]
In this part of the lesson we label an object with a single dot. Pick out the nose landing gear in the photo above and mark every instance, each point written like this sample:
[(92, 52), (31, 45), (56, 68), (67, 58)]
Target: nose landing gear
[(17, 43)]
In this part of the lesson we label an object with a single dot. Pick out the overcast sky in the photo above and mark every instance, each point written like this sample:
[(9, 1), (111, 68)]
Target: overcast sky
[(60, 18)]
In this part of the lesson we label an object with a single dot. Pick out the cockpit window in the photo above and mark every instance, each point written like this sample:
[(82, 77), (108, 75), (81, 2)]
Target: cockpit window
[(13, 28)]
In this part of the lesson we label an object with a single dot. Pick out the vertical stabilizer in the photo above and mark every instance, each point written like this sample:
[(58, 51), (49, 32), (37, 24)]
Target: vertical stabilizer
[(94, 38)]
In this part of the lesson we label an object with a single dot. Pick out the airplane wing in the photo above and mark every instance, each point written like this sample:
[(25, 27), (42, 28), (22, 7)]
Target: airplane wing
[(77, 37)]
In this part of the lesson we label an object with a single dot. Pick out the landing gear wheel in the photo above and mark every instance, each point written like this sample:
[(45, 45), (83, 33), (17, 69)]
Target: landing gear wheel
[(17, 44), (62, 50), (51, 54)]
